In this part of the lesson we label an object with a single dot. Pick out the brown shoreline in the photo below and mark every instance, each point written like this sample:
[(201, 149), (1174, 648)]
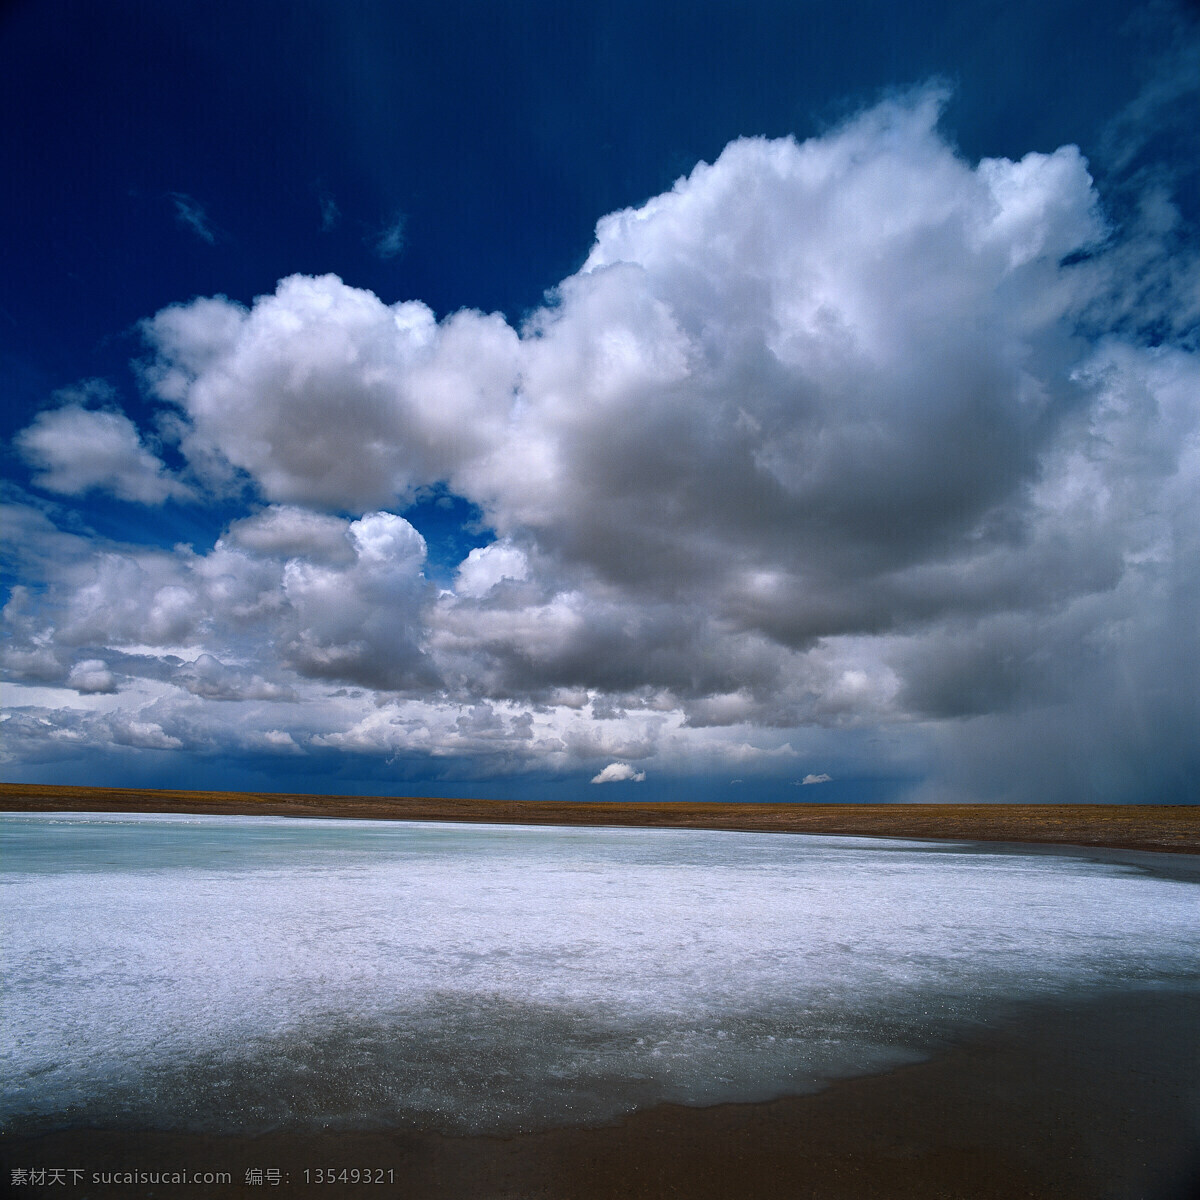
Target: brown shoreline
[(1092, 1101), (1173, 828)]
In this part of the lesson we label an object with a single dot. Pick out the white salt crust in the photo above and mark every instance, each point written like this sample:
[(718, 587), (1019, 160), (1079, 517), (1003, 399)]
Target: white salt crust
[(251, 973)]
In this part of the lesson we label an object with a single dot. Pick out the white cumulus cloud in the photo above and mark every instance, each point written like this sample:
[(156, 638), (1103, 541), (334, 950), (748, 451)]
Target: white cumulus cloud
[(77, 450), (486, 566), (833, 437), (328, 397), (91, 676), (619, 772)]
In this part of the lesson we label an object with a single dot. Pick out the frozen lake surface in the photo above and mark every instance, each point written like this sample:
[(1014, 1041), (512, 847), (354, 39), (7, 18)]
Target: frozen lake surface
[(253, 973)]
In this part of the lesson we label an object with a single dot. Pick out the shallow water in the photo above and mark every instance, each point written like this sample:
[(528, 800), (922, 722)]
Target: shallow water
[(253, 972)]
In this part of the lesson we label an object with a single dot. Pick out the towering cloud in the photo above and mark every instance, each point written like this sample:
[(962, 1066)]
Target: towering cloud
[(833, 437)]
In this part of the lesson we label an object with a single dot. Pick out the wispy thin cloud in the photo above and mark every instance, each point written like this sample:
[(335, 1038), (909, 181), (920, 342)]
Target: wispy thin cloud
[(331, 215), (190, 212), (1156, 109), (389, 241)]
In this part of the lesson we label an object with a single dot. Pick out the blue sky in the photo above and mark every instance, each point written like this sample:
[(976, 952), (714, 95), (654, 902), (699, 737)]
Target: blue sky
[(699, 399)]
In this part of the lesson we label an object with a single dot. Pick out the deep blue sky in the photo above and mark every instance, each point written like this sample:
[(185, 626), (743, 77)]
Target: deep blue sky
[(461, 154), (500, 133)]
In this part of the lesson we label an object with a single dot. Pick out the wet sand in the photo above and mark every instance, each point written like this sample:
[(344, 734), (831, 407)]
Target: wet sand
[(1084, 1102), (1125, 826)]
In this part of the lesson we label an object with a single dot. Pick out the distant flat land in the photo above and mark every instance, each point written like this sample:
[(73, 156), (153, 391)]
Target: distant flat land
[(1125, 826)]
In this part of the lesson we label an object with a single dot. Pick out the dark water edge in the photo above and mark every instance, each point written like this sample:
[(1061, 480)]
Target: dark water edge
[(1093, 1101)]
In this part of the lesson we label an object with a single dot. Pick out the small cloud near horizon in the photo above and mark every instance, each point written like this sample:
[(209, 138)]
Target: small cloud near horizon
[(816, 779), (619, 772)]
